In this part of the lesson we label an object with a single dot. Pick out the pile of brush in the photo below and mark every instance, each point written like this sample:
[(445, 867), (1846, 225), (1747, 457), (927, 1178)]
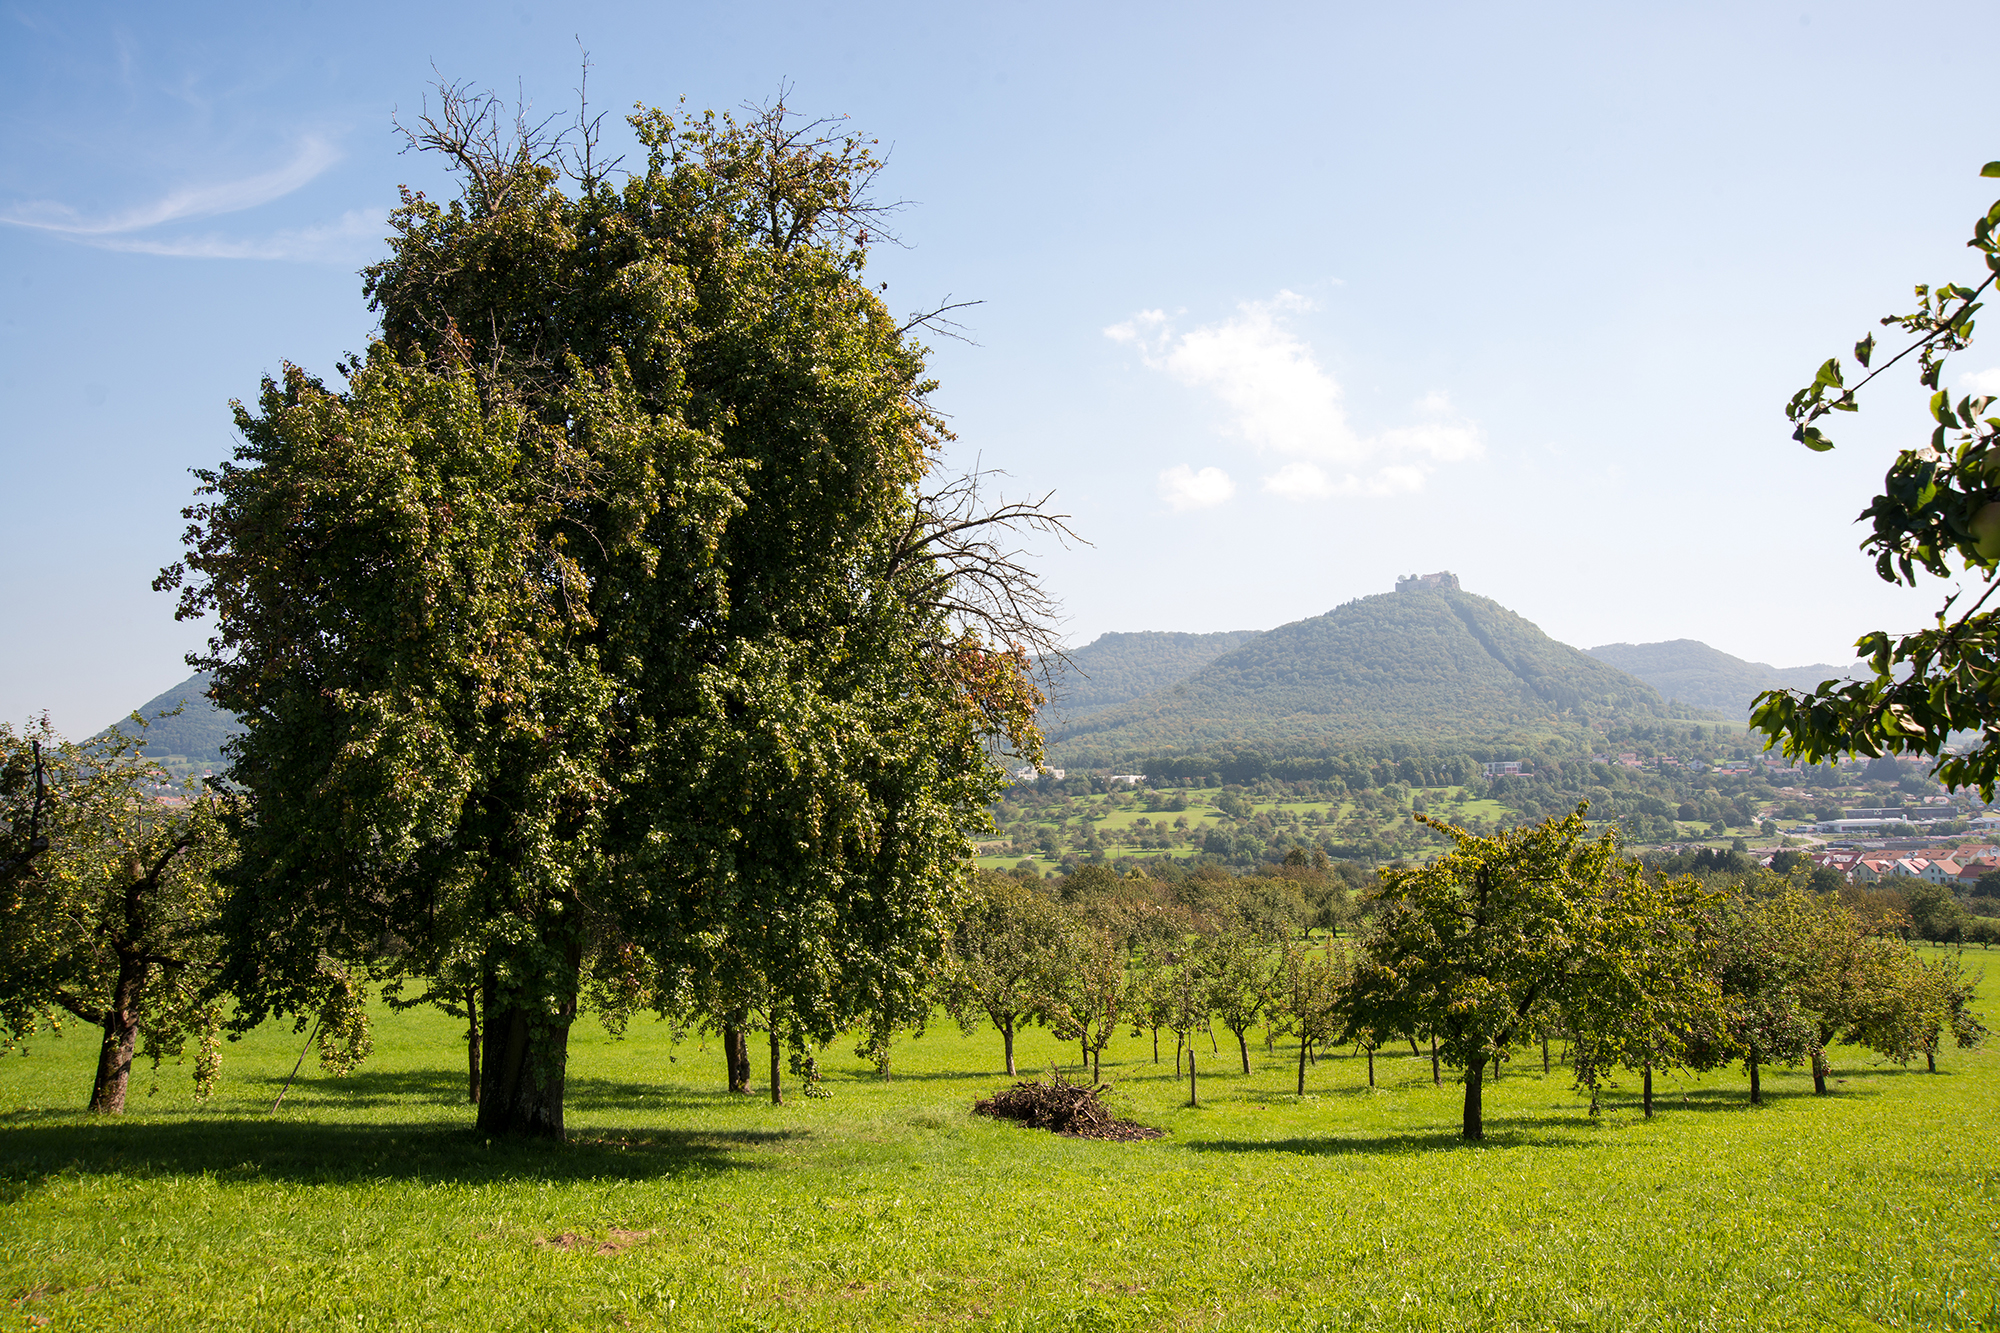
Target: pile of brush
[(1073, 1109)]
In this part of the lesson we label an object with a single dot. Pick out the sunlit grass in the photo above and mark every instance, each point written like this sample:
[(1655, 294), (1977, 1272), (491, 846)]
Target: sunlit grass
[(370, 1202)]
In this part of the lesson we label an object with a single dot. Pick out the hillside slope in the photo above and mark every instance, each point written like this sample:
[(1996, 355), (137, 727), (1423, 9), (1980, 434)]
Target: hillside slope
[(191, 741), (1705, 677), (1423, 665), (1114, 668)]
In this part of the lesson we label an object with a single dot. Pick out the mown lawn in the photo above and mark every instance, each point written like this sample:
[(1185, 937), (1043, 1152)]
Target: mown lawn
[(368, 1202)]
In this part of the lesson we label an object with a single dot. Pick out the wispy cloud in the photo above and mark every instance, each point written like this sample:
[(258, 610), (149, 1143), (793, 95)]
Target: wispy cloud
[(312, 157), (1281, 401), (1982, 381), (337, 242), (1183, 488)]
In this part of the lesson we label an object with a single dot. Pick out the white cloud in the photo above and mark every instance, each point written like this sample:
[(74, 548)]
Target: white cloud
[(339, 242), (313, 156), (1281, 401), (1183, 488), (1982, 381)]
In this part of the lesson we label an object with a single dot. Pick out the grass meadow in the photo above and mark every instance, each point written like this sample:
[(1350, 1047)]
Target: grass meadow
[(369, 1202)]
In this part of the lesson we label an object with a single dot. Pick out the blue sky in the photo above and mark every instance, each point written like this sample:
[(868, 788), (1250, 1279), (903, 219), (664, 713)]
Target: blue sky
[(1282, 301)]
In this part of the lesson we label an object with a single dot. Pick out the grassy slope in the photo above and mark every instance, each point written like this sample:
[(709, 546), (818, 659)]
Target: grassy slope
[(369, 1202)]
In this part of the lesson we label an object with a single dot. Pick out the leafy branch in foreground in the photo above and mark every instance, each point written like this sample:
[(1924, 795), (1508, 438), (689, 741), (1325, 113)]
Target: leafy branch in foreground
[(1939, 505)]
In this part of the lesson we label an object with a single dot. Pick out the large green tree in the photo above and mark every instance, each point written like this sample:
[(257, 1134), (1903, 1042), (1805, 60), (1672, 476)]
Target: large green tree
[(602, 622), (1938, 512)]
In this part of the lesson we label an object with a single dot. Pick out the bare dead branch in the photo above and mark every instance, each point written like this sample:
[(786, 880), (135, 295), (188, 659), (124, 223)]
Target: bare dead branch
[(470, 129), (958, 556), (935, 321)]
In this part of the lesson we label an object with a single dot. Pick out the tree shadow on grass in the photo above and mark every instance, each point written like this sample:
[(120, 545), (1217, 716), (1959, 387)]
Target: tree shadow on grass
[(1501, 1132), (254, 1148), (367, 1089)]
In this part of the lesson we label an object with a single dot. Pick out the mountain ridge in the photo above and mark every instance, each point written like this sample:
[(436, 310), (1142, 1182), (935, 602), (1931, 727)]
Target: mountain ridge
[(1705, 677), (1428, 663)]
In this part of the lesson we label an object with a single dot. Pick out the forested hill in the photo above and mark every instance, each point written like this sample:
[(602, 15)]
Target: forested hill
[(192, 740), (1705, 677), (1417, 666), (1115, 668)]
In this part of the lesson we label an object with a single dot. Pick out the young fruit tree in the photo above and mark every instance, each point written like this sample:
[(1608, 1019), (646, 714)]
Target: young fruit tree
[(1644, 997), (1759, 957), (610, 617), (1241, 974), (1471, 945), (1006, 953), (114, 919), (1309, 997)]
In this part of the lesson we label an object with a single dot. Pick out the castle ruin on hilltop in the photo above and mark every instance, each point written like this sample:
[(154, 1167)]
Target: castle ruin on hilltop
[(1444, 580)]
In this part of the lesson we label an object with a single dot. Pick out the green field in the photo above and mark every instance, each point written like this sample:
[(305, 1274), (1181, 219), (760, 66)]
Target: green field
[(368, 1202)]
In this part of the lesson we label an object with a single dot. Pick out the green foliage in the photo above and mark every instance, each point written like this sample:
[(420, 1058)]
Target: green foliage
[(595, 628), (1008, 955), (1473, 946), (1938, 511), (115, 921)]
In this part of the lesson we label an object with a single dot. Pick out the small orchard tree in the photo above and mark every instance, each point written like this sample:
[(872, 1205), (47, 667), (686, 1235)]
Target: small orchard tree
[(1240, 979), (1930, 1000), (1007, 953), (1642, 994), (1088, 997), (1472, 944), (1190, 1000), (1147, 999), (1757, 959), (114, 917), (1310, 997)]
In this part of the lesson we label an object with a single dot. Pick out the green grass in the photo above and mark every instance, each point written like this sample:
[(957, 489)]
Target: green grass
[(369, 1201)]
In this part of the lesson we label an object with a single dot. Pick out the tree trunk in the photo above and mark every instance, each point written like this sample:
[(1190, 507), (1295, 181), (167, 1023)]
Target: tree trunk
[(1371, 1066), (521, 1076), (1243, 1044), (1819, 1071), (1545, 1057), (1496, 1066), (777, 1088), (1437, 1075), (472, 1044), (1415, 1054), (1007, 1039), (1193, 1100), (1756, 1089), (1156, 1046), (121, 1035), (736, 1050), (1474, 1126), (1648, 1096), (1930, 1059), (1095, 1055), (1302, 1066)]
